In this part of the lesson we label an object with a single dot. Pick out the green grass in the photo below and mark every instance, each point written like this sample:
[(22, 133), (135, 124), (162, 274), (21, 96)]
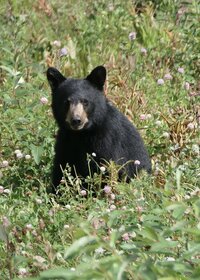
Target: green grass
[(148, 229)]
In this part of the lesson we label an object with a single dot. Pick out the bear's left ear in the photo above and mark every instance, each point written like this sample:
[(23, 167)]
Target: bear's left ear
[(55, 78), (97, 77)]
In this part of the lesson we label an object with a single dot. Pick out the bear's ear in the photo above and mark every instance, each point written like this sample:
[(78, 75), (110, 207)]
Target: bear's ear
[(54, 77), (97, 77)]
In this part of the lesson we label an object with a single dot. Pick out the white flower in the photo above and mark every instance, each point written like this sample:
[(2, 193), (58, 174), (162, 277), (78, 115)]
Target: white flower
[(166, 134), (27, 157), (83, 192), (57, 43), (137, 162), (7, 191), (103, 169), (44, 100), (29, 226), (112, 207), (17, 151), (160, 82), (94, 154), (168, 76), (158, 123), (38, 201), (4, 163), (22, 271), (190, 126), (99, 251), (66, 226), (112, 196), (19, 155), (1, 189), (68, 206)]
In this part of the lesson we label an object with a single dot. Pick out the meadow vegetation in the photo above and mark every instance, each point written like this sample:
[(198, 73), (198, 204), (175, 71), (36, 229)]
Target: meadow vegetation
[(148, 229)]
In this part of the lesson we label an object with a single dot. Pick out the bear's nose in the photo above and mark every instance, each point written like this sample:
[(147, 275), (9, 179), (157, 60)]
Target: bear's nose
[(76, 121)]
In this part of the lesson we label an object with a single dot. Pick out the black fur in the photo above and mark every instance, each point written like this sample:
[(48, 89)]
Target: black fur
[(108, 134)]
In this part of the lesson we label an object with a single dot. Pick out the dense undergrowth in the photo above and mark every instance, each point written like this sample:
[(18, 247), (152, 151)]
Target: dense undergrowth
[(148, 229)]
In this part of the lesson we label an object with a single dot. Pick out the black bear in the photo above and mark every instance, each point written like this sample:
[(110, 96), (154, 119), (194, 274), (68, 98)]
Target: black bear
[(88, 123)]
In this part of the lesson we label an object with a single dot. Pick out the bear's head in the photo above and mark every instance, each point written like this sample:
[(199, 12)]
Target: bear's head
[(78, 104)]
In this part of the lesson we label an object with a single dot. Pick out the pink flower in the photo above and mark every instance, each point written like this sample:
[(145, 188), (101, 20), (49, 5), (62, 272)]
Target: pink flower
[(83, 192), (143, 51), (44, 100), (63, 52), (112, 207), (143, 117), (112, 196), (107, 189), (125, 236), (168, 76), (132, 36), (181, 70), (160, 82), (190, 126)]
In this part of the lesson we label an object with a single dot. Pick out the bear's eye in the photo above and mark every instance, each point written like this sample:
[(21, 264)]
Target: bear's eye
[(85, 102)]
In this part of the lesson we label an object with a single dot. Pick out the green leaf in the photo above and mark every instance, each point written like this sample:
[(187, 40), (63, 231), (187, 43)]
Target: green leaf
[(79, 245), (37, 152)]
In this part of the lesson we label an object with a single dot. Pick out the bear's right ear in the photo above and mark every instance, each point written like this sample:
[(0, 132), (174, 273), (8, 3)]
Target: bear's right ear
[(55, 78)]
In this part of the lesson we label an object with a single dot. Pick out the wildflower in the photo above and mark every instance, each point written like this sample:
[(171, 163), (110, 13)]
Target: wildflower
[(132, 36), (107, 189), (143, 51), (168, 76), (4, 163), (57, 43), (139, 209), (112, 196), (83, 192), (181, 70), (110, 7), (19, 155), (17, 151), (38, 201), (94, 155), (158, 123), (143, 117), (123, 207), (99, 251), (186, 86), (190, 126), (166, 134), (1, 189), (160, 82), (66, 226), (63, 52), (122, 228), (112, 207), (44, 100), (27, 157), (137, 162), (22, 271), (72, 269), (68, 206), (125, 236), (7, 191), (103, 169), (29, 226), (148, 116)]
